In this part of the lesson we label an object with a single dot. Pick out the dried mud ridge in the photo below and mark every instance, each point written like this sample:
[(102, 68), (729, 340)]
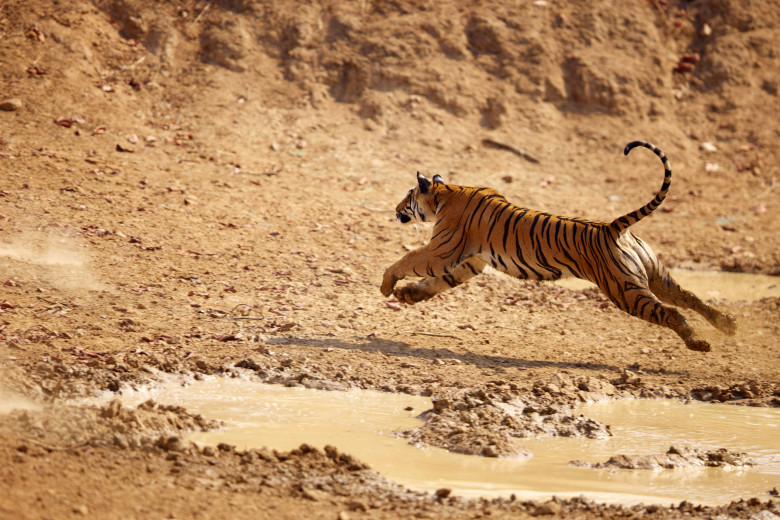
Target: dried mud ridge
[(675, 457), (325, 476), (110, 425), (485, 421)]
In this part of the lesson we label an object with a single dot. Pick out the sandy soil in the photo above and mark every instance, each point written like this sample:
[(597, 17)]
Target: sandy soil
[(197, 186)]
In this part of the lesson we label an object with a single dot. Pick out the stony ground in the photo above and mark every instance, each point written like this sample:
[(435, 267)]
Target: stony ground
[(201, 187)]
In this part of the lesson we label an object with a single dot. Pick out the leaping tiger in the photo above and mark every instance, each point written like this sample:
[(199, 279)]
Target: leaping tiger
[(476, 227)]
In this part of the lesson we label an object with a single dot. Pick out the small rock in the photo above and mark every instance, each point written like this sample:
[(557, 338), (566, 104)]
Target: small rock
[(315, 495), (209, 451), (120, 441), (630, 377), (548, 508), (711, 167), (443, 493), (112, 409), (441, 404), (489, 451), (708, 147), (172, 443), (10, 105), (357, 505)]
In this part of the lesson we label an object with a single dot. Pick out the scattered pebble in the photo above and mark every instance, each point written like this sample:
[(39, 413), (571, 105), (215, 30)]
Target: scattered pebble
[(548, 508), (11, 104), (443, 493)]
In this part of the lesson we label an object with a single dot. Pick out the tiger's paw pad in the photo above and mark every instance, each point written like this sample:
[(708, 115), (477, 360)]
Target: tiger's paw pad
[(410, 294), (699, 345)]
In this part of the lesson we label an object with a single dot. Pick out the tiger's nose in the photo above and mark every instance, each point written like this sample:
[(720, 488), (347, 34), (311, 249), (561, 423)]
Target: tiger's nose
[(403, 218)]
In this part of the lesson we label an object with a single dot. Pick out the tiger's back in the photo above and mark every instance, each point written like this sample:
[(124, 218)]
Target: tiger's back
[(490, 226)]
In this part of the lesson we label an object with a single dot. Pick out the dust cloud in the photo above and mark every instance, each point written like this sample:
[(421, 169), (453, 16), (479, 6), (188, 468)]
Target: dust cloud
[(59, 262)]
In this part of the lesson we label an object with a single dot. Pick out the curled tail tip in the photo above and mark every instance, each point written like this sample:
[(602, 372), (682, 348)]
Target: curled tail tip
[(630, 146)]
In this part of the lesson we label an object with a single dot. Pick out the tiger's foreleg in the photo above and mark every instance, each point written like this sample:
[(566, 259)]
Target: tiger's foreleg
[(422, 262), (429, 287)]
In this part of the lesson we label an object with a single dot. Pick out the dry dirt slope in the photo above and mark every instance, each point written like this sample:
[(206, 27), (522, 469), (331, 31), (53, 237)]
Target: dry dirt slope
[(571, 84), (173, 162)]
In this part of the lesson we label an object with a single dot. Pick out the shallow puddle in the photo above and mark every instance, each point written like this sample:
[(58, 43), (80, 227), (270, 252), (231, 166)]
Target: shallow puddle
[(712, 284), (360, 423)]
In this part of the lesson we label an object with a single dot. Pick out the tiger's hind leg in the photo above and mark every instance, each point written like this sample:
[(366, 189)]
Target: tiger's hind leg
[(668, 290), (429, 287), (639, 301)]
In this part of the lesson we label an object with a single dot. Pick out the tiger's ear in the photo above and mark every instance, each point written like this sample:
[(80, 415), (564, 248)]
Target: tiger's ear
[(424, 183), (437, 179)]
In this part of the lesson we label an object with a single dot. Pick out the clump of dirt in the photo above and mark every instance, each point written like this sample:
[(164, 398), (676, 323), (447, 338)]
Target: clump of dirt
[(477, 422), (109, 425), (749, 393), (675, 457)]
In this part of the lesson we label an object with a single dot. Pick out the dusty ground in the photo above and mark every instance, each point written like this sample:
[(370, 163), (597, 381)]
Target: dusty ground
[(170, 168)]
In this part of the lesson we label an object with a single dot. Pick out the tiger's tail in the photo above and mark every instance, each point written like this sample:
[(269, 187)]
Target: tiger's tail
[(629, 219)]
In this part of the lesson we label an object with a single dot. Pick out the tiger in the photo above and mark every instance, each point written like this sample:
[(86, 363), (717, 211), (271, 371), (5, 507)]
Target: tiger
[(478, 227)]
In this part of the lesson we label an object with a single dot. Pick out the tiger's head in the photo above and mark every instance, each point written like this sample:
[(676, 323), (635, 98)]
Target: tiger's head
[(419, 202)]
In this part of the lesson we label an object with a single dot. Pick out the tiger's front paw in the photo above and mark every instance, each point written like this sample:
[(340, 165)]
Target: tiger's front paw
[(411, 294), (388, 283), (697, 344)]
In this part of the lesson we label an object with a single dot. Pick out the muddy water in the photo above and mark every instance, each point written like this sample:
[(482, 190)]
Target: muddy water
[(361, 422), (712, 285)]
